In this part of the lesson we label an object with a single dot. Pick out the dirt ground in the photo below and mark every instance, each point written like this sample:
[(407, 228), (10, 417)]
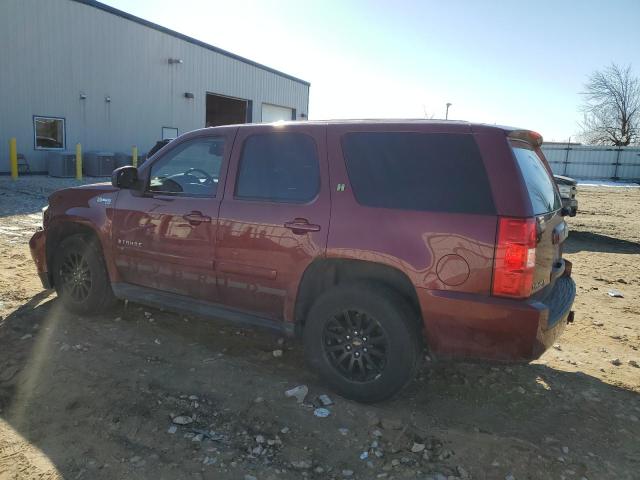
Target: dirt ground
[(94, 398)]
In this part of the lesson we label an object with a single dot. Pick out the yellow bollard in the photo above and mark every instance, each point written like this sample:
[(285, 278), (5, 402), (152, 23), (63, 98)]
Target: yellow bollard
[(134, 156), (13, 158), (78, 161)]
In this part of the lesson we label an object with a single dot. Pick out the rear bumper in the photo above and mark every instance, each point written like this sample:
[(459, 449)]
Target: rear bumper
[(572, 203), (38, 247), (471, 326)]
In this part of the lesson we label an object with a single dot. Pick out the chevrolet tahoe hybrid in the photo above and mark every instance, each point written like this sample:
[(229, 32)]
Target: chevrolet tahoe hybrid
[(371, 240)]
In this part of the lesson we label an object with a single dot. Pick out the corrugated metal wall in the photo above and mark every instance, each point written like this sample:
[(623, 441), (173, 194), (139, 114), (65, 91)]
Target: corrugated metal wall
[(52, 51), (594, 162)]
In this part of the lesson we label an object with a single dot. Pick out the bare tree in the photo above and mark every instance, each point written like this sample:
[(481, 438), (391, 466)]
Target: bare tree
[(427, 115), (612, 107)]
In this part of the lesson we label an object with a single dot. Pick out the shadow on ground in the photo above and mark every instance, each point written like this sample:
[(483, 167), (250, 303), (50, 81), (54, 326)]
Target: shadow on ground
[(579, 241), (95, 395)]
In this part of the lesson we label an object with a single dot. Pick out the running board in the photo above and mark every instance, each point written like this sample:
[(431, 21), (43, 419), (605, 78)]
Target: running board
[(188, 305)]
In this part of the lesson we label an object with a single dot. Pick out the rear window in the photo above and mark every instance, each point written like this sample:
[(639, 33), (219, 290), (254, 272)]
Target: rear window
[(418, 171), (537, 179)]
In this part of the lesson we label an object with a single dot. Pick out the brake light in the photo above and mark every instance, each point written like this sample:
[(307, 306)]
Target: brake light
[(515, 259), (534, 138)]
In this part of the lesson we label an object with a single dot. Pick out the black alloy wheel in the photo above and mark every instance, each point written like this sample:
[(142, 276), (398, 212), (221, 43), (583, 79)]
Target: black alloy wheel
[(364, 340), (356, 345), (76, 276), (80, 275)]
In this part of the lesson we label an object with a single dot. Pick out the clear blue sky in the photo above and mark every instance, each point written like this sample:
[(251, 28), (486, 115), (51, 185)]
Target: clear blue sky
[(507, 62)]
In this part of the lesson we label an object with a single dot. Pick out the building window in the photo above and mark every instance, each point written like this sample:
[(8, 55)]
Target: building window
[(169, 133), (49, 133)]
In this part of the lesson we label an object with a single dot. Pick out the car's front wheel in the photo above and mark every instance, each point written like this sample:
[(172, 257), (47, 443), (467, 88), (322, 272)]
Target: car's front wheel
[(364, 340), (80, 276)]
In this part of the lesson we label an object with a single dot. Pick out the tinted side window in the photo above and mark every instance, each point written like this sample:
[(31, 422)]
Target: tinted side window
[(417, 171), (281, 167), (190, 169), (537, 179)]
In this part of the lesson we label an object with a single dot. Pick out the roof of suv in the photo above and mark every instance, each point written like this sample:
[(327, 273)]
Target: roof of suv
[(473, 126)]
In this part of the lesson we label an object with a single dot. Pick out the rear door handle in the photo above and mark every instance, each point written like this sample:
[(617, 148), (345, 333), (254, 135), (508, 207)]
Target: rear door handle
[(300, 226), (196, 218)]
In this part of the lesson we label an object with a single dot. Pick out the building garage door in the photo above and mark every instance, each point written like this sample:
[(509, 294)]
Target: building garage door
[(223, 110), (274, 113)]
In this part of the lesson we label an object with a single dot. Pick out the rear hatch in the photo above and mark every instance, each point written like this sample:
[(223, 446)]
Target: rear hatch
[(551, 229)]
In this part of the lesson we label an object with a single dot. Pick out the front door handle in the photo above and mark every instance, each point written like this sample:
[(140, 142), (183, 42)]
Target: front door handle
[(196, 218), (300, 226)]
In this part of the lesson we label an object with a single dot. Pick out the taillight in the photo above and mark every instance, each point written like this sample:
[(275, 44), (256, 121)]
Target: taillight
[(45, 216), (515, 260)]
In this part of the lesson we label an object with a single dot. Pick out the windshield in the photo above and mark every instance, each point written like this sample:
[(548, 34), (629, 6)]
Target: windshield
[(539, 183)]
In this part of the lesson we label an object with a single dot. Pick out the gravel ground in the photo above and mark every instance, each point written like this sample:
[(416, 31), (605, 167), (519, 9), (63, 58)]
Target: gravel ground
[(103, 397), (21, 202)]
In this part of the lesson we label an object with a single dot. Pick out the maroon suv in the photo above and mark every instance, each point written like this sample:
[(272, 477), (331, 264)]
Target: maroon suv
[(369, 239)]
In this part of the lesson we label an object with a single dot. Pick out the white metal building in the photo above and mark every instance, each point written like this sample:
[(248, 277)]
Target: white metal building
[(79, 71), (593, 161)]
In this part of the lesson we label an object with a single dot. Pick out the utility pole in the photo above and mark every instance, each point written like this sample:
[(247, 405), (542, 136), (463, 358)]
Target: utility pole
[(446, 115), (566, 158)]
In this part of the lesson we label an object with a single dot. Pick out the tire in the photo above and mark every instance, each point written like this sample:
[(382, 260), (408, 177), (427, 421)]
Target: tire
[(393, 330), (80, 276)]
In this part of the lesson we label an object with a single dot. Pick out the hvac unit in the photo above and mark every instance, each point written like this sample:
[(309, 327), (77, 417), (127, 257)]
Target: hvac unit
[(123, 159), (61, 164), (99, 164)]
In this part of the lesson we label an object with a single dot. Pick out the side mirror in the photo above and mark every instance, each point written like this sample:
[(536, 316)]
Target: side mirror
[(125, 177)]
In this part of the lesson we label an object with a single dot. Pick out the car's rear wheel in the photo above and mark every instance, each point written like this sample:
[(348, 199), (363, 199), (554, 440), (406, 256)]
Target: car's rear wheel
[(364, 340), (80, 276)]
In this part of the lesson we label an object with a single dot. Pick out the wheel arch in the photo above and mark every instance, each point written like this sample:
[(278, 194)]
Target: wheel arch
[(323, 274)]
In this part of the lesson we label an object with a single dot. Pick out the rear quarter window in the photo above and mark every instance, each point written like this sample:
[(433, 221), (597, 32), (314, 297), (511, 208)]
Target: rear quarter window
[(537, 179), (418, 171)]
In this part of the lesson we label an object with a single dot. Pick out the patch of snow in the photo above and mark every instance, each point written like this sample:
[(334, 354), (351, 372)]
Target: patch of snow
[(607, 183)]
